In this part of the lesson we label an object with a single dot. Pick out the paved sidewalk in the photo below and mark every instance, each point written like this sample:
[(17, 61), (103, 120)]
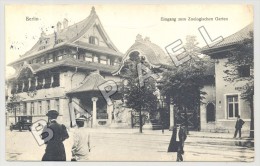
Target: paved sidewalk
[(167, 133)]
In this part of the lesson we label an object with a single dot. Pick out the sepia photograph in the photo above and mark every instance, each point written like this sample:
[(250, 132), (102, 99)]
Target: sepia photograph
[(100, 82)]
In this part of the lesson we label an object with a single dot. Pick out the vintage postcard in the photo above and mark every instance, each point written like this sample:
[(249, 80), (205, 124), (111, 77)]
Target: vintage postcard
[(129, 82)]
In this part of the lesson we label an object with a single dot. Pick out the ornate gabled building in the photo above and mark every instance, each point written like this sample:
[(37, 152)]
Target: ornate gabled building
[(59, 68), (222, 107)]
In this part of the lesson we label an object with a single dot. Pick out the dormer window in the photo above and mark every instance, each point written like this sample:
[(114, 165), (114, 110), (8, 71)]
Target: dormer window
[(93, 40), (59, 41)]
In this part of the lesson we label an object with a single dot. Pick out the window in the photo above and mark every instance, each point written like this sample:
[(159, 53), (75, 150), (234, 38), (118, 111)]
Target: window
[(232, 106), (93, 40), (88, 57), (48, 105), (244, 71), (40, 107), (32, 108), (75, 56), (59, 57), (57, 101), (108, 61), (95, 59)]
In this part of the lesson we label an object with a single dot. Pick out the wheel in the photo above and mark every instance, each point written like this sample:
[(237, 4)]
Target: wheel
[(20, 128)]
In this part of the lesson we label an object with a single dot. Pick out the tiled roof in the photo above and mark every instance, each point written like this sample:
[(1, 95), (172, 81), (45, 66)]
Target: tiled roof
[(68, 62), (153, 53), (232, 39), (71, 62), (96, 48), (68, 36), (91, 84)]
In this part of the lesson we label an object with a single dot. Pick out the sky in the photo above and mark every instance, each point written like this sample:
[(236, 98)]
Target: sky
[(122, 23)]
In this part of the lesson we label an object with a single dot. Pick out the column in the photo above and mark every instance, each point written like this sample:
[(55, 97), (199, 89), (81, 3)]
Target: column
[(52, 104), (109, 111), (43, 82), (94, 114), (28, 107), (72, 114), (51, 80), (23, 86), (171, 116), (29, 85), (36, 81)]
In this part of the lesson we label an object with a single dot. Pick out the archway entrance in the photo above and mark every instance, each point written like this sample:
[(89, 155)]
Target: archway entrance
[(210, 112)]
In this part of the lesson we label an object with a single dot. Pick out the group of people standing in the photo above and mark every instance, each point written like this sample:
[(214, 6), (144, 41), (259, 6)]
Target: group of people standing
[(55, 150)]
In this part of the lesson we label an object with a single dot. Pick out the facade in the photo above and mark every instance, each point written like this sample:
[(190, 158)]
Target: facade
[(226, 102), (49, 73)]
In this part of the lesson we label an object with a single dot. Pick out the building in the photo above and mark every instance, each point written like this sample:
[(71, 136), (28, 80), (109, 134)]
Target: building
[(61, 72), (221, 109)]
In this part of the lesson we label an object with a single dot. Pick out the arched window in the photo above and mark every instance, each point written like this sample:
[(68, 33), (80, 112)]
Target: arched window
[(210, 112)]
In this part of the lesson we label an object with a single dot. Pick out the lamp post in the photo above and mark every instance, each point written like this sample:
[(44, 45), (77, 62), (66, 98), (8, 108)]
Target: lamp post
[(161, 112)]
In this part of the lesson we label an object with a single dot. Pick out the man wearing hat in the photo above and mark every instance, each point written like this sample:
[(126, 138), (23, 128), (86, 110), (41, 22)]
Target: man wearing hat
[(177, 141), (55, 150), (81, 142)]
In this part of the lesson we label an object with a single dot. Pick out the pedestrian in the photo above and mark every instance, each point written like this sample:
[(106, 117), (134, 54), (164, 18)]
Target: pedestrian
[(55, 150), (179, 135), (81, 142), (238, 126)]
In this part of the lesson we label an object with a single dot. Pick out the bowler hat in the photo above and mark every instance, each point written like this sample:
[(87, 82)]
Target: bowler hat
[(53, 114), (80, 122)]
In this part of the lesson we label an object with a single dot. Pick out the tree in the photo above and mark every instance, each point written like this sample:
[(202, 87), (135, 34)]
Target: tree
[(139, 98), (184, 83), (242, 60), (13, 104)]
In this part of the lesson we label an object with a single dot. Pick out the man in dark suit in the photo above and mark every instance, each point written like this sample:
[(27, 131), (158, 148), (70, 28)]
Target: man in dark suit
[(179, 135), (55, 150), (238, 126)]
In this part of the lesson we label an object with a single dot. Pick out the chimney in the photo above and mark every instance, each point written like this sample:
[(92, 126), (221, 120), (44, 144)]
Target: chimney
[(65, 23), (43, 34), (147, 39), (139, 38), (93, 11), (58, 27)]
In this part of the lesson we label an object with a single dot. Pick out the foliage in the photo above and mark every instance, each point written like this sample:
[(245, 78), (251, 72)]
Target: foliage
[(138, 97), (243, 55), (184, 83)]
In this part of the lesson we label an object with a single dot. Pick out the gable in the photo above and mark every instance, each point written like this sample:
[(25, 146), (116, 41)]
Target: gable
[(94, 32)]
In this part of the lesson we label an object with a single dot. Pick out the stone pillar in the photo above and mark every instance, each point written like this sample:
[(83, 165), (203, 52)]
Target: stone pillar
[(23, 86), (72, 115), (52, 80), (109, 112), (52, 105), (36, 81), (171, 116), (28, 107), (94, 114), (29, 83), (65, 112), (43, 82)]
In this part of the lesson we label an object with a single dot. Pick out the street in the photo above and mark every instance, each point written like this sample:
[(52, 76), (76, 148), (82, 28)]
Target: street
[(129, 145)]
